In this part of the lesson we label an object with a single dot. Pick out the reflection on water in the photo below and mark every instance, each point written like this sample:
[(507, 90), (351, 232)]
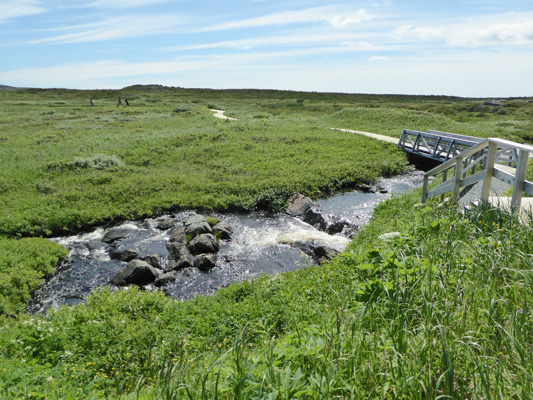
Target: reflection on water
[(260, 244)]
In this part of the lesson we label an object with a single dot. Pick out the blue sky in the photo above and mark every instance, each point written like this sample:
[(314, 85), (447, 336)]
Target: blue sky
[(467, 48)]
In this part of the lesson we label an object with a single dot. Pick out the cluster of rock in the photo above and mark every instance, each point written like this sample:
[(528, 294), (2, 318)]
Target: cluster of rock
[(193, 244), (302, 207)]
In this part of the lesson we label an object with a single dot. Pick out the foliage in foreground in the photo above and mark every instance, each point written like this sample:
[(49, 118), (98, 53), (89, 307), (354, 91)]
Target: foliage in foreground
[(442, 309), (23, 265)]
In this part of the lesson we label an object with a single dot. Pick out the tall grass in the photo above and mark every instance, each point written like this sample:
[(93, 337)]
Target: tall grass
[(441, 310)]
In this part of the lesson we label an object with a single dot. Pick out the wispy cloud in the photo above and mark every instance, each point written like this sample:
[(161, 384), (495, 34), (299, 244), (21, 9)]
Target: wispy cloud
[(325, 14), (518, 33), (115, 28), (123, 4), (378, 58), (19, 8), (302, 39), (494, 30), (422, 33)]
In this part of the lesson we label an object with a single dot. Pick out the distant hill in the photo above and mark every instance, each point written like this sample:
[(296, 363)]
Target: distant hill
[(149, 87), (8, 88)]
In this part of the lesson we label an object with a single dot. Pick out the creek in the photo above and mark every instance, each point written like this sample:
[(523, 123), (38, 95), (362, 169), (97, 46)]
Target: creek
[(260, 244)]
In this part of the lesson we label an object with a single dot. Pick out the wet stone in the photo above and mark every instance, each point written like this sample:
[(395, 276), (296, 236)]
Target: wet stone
[(136, 272), (197, 225), (223, 230), (124, 255), (114, 234), (205, 262), (298, 205), (205, 243), (166, 278), (153, 260), (166, 224)]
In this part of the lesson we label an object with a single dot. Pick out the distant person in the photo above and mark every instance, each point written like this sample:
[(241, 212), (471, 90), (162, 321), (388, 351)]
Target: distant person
[(92, 103), (119, 102), (127, 102)]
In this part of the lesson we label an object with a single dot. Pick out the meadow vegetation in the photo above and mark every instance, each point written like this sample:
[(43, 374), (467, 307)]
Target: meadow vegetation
[(439, 309)]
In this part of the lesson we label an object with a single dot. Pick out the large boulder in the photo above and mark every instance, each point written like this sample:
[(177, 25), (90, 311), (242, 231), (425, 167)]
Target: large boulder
[(197, 225), (223, 230), (166, 223), (319, 252), (303, 207), (153, 260), (205, 262), (180, 256), (314, 218), (136, 272), (204, 244), (177, 235), (166, 278), (124, 255), (298, 204), (114, 234)]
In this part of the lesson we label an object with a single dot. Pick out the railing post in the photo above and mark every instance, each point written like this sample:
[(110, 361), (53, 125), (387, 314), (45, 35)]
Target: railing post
[(489, 171), (425, 189), (518, 188), (444, 179), (458, 175), (416, 146)]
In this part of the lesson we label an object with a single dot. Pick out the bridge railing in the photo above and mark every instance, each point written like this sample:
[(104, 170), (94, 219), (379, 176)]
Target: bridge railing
[(435, 145), (483, 154), (443, 146)]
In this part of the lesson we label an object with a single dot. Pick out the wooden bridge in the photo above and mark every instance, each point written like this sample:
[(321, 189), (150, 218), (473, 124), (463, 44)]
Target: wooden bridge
[(497, 158), (461, 157), (443, 146)]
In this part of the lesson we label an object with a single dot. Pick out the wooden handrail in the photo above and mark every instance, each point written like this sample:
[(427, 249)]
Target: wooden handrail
[(491, 169)]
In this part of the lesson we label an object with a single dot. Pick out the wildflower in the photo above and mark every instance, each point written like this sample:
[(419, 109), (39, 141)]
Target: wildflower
[(520, 311)]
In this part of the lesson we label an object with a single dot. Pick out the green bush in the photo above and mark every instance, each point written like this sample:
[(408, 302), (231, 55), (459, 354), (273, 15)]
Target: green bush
[(23, 264)]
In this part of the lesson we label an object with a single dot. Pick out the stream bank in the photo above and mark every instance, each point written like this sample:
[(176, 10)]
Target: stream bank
[(260, 243)]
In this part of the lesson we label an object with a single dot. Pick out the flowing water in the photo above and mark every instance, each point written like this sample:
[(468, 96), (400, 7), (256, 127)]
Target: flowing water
[(260, 244)]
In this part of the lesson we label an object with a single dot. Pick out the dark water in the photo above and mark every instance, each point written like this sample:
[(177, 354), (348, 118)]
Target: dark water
[(260, 244)]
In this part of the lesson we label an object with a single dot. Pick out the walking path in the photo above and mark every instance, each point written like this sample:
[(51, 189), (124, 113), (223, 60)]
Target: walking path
[(220, 114), (383, 138)]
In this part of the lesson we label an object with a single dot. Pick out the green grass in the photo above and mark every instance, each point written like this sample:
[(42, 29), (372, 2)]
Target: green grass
[(441, 310), (67, 166)]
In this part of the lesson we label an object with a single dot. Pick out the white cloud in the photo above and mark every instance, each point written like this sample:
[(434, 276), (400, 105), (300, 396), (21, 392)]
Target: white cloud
[(378, 58), (517, 33), (18, 8), (123, 4), (282, 40), (310, 15), (339, 21), (422, 33), (115, 28), (493, 30)]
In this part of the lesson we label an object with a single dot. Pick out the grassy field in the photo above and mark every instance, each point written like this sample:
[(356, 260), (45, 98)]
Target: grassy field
[(441, 310)]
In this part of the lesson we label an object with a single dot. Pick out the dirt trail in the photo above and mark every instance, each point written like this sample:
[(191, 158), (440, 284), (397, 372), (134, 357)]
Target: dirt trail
[(220, 114), (383, 138)]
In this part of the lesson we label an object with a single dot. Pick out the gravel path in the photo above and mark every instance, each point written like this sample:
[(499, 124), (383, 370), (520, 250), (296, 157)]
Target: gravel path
[(220, 114), (473, 193)]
